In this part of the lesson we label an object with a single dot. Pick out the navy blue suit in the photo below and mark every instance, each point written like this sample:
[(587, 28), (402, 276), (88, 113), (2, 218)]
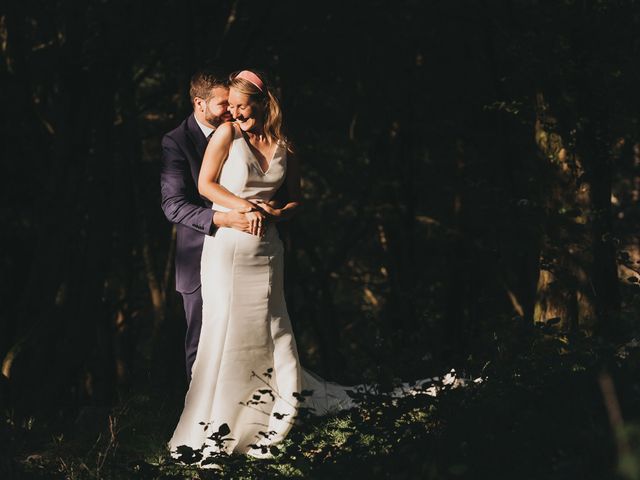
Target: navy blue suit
[(182, 152)]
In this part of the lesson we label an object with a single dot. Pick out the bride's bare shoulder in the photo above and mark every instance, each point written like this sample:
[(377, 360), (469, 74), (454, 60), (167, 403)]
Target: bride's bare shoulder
[(224, 133)]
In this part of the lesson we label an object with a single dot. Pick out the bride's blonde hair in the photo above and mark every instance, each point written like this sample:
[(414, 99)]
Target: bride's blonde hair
[(254, 84)]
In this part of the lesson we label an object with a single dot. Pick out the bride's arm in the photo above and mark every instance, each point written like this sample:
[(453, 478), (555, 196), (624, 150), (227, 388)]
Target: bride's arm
[(294, 194), (214, 157)]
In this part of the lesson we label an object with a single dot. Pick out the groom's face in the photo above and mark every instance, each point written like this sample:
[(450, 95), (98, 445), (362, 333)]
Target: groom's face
[(213, 110)]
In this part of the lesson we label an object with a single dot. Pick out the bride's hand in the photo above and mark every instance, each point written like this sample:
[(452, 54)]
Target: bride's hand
[(257, 221), (268, 209)]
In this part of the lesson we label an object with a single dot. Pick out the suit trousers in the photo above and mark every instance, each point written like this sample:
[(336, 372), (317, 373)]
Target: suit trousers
[(193, 312)]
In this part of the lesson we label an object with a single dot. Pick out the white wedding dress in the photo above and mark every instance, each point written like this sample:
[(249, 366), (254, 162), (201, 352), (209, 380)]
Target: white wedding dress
[(247, 373)]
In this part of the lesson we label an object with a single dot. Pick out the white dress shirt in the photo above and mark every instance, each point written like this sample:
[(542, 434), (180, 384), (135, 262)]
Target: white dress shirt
[(206, 130)]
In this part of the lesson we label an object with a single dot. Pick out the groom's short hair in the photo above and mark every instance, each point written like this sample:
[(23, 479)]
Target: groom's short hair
[(203, 81)]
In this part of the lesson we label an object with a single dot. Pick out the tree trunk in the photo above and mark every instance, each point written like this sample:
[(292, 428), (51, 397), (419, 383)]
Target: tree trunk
[(575, 286)]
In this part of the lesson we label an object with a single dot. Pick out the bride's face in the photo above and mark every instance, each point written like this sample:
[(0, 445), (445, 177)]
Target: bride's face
[(246, 112)]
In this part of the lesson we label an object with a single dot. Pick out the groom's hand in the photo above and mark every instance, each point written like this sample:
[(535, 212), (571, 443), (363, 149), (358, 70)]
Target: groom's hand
[(233, 219)]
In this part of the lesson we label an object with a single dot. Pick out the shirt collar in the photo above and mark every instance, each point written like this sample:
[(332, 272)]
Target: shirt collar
[(205, 130)]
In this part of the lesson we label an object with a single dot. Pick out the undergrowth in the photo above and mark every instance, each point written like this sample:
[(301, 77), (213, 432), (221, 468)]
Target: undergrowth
[(541, 414)]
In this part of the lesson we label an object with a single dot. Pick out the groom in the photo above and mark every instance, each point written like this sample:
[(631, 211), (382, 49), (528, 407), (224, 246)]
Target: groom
[(182, 152)]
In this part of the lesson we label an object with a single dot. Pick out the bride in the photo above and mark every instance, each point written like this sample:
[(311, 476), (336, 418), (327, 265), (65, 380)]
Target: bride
[(247, 384)]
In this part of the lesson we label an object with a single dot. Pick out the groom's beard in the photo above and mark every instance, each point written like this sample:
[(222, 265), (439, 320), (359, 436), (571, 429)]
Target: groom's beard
[(215, 120)]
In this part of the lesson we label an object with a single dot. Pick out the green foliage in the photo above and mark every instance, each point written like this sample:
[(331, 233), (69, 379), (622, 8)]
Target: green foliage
[(539, 415)]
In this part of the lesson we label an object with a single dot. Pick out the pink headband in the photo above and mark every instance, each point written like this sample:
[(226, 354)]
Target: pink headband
[(251, 78)]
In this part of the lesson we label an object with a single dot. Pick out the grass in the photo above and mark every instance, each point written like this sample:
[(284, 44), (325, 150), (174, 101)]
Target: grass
[(539, 415)]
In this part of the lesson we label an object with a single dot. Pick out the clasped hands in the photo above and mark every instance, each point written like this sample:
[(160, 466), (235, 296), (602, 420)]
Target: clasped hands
[(253, 218)]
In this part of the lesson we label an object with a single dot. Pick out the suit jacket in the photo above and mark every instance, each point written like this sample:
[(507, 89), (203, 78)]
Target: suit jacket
[(182, 152)]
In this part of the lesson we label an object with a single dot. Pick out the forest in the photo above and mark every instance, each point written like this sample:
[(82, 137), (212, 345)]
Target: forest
[(471, 179)]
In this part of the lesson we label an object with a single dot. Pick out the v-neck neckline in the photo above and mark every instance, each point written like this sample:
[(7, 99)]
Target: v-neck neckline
[(248, 145)]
